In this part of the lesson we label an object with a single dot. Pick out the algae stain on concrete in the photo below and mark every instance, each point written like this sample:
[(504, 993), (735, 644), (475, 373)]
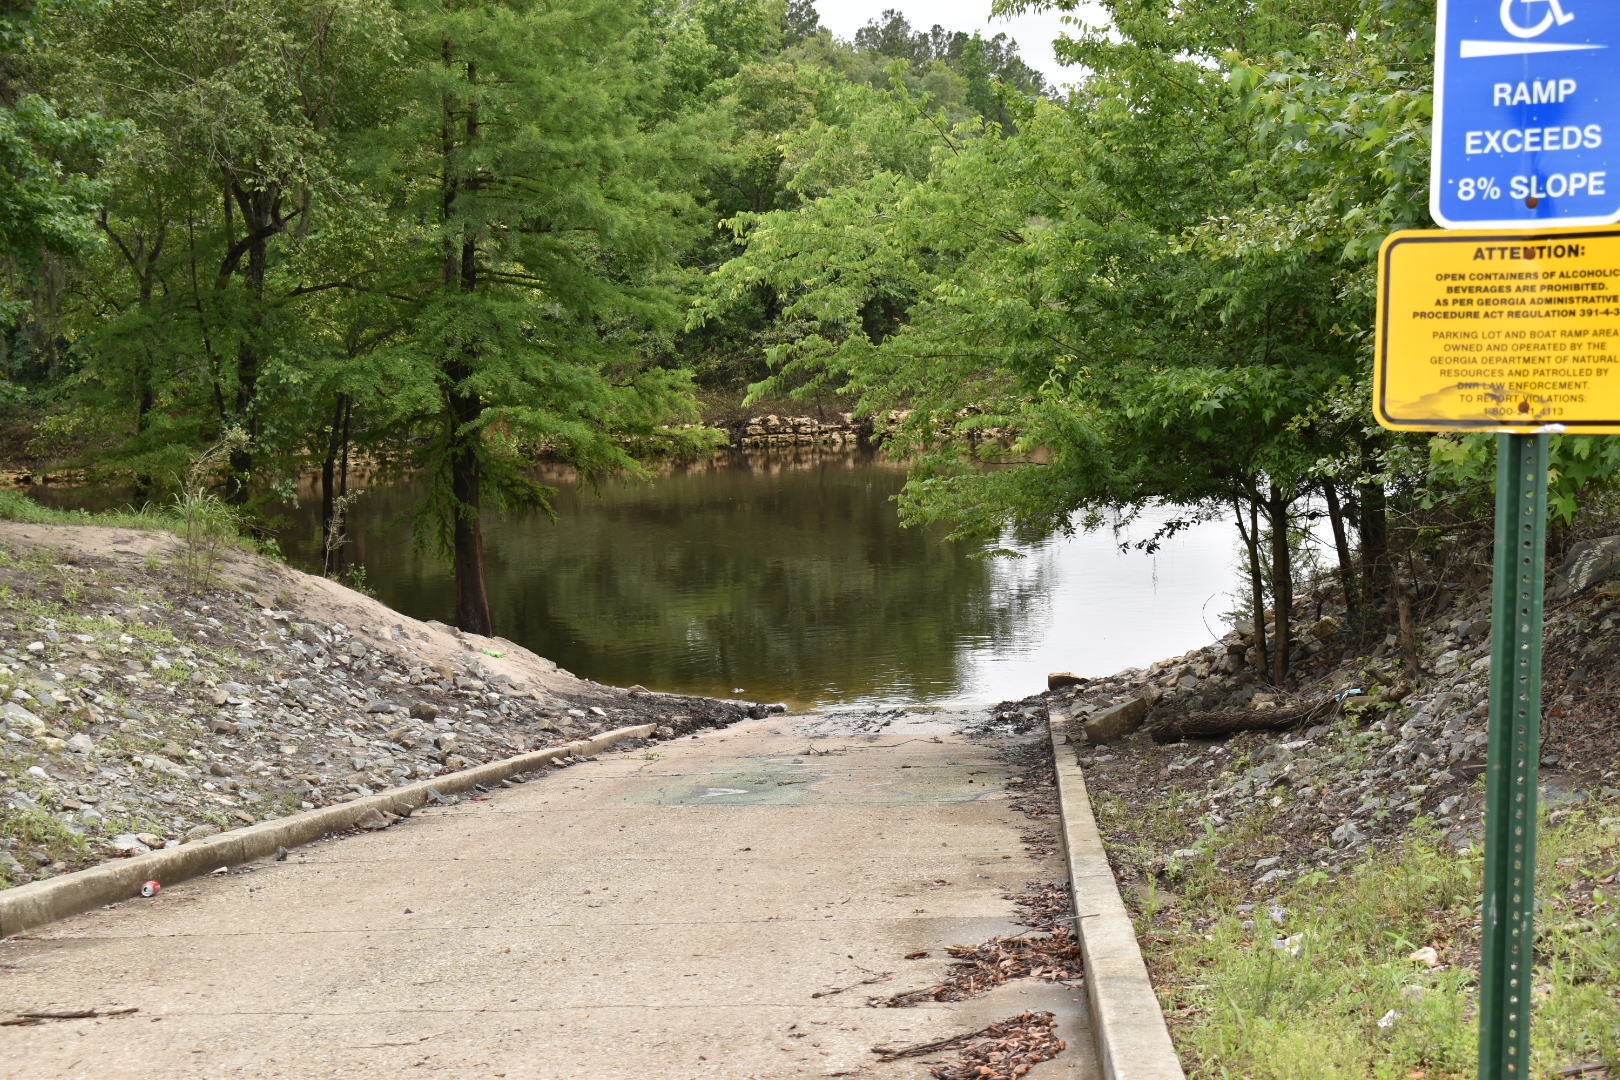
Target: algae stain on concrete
[(769, 783)]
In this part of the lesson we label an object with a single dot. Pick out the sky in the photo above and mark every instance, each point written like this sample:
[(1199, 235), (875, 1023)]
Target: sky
[(1034, 33)]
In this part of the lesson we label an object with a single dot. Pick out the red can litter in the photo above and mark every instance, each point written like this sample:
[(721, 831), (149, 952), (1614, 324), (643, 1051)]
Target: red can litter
[(150, 888)]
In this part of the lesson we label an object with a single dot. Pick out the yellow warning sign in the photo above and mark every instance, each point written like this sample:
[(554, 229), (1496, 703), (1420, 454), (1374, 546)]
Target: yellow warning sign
[(1499, 331)]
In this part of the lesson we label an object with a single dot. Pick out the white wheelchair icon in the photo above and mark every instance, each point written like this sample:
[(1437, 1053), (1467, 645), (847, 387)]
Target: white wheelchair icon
[(1555, 14)]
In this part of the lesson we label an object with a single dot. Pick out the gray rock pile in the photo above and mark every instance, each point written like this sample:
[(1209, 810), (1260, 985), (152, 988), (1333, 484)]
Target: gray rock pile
[(1391, 745), (777, 431), (135, 716)]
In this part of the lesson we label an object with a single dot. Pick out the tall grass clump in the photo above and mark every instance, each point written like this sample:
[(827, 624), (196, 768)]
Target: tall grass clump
[(208, 525)]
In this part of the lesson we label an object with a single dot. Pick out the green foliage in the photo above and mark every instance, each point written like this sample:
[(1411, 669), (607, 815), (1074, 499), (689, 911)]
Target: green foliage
[(800, 21), (708, 42), (462, 236), (1326, 987), (232, 210), (48, 194), (1141, 339), (43, 207), (269, 226), (38, 829), (1578, 465), (47, 199), (535, 249), (15, 506), (295, 181), (207, 525), (988, 71)]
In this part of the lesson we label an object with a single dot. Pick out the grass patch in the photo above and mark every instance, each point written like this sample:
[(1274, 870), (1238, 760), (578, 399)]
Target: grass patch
[(1323, 985), (207, 528), (15, 506), (37, 829)]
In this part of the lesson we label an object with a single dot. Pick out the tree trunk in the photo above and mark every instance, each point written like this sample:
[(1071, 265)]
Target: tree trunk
[(1374, 529), (142, 263), (1206, 724), (1341, 545), (334, 484), (144, 402), (345, 440), (1282, 584), (1410, 652), (329, 473), (472, 600), (466, 407), (1257, 589), (258, 218)]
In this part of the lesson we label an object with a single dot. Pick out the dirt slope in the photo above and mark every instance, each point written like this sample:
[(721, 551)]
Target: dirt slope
[(139, 710)]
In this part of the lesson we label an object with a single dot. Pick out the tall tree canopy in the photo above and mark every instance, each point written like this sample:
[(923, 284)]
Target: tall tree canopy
[(554, 197), (47, 193), (1158, 284), (460, 235)]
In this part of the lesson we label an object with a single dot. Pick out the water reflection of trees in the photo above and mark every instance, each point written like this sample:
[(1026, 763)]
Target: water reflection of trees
[(790, 579)]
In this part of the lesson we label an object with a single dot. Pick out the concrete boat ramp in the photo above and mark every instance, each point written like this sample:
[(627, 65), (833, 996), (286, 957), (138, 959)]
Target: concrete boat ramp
[(723, 905)]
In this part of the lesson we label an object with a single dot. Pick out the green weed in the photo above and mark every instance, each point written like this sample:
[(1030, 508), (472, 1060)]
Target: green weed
[(207, 527), (1328, 988), (38, 829)]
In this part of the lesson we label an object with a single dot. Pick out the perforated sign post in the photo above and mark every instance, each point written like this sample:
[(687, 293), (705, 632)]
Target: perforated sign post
[(1508, 332), (1442, 367)]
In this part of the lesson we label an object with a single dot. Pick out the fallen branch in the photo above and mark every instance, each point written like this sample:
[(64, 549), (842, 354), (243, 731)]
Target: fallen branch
[(895, 1053), (880, 977), (1012, 1048), (28, 1019), (1229, 721)]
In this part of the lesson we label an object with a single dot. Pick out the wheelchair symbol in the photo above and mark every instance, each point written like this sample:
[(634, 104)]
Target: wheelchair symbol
[(1555, 13)]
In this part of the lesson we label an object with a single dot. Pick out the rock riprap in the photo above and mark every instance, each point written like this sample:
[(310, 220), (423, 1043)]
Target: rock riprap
[(135, 715), (1388, 745)]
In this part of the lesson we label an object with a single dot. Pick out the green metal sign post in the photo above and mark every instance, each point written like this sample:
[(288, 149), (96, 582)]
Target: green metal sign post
[(1513, 757)]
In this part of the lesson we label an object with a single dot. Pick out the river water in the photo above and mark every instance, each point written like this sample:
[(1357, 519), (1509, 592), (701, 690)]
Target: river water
[(788, 578)]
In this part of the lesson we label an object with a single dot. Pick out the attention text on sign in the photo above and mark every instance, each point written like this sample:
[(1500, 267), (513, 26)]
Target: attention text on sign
[(1499, 331)]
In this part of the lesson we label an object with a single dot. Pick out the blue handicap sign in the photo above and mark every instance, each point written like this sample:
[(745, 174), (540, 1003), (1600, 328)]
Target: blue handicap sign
[(1527, 114)]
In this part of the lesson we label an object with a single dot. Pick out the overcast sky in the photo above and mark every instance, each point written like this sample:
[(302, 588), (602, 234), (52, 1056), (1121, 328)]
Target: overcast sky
[(1034, 33)]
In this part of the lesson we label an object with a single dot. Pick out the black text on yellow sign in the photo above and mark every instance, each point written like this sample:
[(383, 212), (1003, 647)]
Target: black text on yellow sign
[(1499, 331)]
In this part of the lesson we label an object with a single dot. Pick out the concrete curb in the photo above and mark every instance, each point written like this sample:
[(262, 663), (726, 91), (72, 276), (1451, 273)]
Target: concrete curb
[(55, 898), (1133, 1042)]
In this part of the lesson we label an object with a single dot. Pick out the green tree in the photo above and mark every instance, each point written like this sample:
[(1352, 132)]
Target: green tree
[(242, 154), (549, 187), (990, 68), (1092, 283), (800, 20), (47, 195)]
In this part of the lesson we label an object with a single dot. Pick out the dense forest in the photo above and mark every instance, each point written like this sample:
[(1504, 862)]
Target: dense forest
[(455, 237)]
